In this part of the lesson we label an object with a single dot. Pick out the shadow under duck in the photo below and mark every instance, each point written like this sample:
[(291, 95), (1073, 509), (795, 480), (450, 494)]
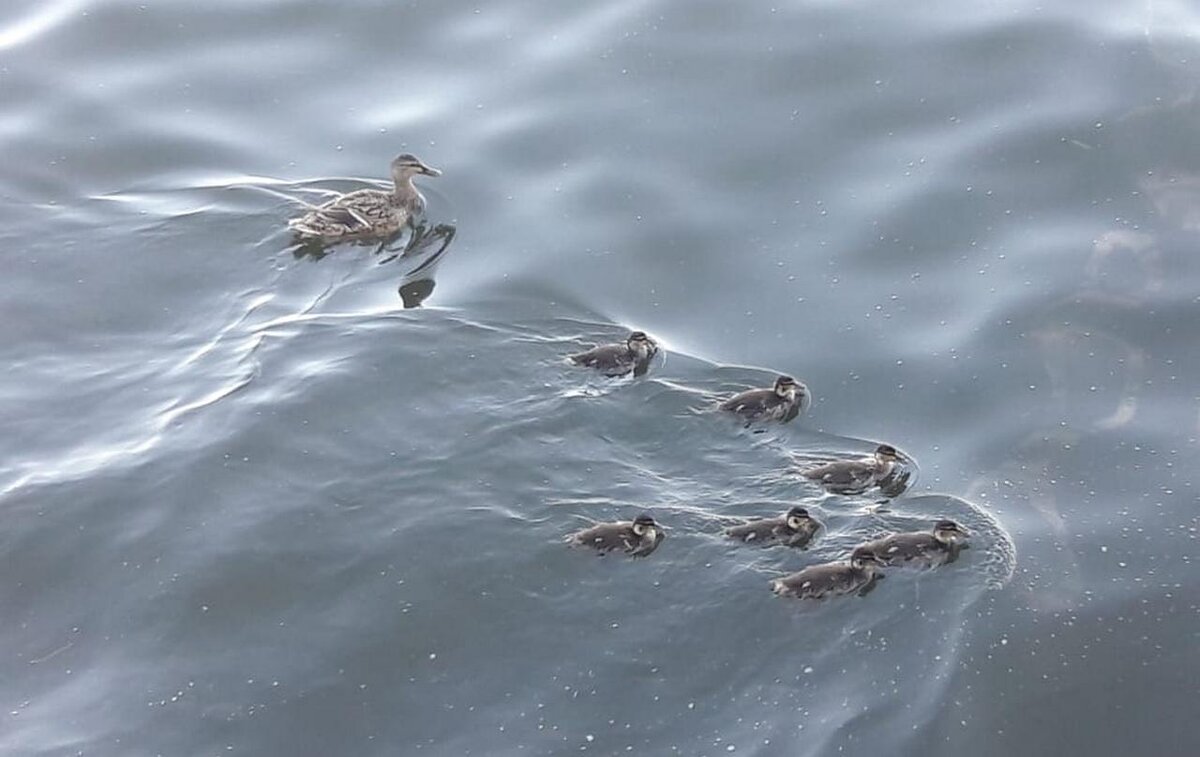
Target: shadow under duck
[(795, 528), (368, 213)]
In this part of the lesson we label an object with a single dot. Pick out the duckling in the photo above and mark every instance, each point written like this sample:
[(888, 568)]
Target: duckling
[(922, 548), (782, 402), (619, 359), (795, 528), (858, 576), (368, 213), (636, 538), (856, 476)]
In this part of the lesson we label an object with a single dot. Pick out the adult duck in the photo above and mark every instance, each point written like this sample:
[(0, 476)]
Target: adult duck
[(368, 213)]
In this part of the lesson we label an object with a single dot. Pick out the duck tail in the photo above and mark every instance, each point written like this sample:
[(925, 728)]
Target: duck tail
[(301, 226)]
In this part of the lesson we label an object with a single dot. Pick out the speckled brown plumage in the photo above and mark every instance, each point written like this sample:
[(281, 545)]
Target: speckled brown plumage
[(368, 213)]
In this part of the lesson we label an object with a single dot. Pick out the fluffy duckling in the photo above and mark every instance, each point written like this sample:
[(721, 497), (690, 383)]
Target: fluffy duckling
[(795, 528), (368, 213), (782, 402), (858, 576), (636, 538), (620, 359), (856, 476), (922, 548)]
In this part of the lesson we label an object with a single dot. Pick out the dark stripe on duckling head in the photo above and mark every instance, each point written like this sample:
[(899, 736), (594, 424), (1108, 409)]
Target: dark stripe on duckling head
[(948, 525)]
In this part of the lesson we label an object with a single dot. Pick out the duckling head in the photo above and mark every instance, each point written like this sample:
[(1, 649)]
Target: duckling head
[(949, 532), (641, 345), (886, 453), (645, 527), (797, 517), (864, 557), (406, 165), (786, 387)]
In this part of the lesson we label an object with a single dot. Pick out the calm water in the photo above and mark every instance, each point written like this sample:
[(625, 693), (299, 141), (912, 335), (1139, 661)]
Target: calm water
[(255, 501)]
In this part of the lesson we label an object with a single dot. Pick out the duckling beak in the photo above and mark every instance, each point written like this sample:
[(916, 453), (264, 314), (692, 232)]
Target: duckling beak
[(430, 170)]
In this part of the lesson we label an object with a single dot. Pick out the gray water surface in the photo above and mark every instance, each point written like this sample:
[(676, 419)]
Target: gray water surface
[(260, 501)]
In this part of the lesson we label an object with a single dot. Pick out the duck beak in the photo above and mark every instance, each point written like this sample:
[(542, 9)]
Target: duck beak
[(429, 170)]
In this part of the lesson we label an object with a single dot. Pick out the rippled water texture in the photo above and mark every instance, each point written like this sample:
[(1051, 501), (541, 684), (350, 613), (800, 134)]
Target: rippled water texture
[(269, 500)]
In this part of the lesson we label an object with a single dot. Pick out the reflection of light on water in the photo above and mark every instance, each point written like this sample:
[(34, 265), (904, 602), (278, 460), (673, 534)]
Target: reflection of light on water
[(585, 391), (1135, 244), (171, 201), (45, 17), (209, 372), (1167, 21), (1076, 359), (1176, 198)]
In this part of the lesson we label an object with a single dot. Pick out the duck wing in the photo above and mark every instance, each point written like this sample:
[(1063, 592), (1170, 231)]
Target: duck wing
[(758, 531), (350, 214), (344, 215), (903, 547), (750, 402), (845, 474), (613, 359), (604, 537), (816, 582)]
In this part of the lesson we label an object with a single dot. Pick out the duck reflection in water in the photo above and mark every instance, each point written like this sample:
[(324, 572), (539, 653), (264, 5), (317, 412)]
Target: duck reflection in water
[(417, 283), (419, 254)]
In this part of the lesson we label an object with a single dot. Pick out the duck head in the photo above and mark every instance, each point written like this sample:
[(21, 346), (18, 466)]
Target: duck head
[(641, 345), (949, 532), (886, 453), (645, 527), (406, 165), (786, 387), (797, 518)]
